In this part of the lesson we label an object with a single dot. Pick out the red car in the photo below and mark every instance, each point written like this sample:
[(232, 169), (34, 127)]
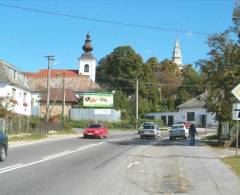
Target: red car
[(96, 130)]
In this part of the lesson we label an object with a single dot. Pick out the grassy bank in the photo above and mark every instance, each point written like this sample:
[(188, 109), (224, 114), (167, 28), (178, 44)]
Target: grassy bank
[(233, 162), (25, 137), (36, 136)]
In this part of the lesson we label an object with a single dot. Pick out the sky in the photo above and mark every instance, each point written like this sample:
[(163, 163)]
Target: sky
[(26, 37)]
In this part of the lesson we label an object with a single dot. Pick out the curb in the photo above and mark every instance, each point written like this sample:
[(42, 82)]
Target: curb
[(48, 139)]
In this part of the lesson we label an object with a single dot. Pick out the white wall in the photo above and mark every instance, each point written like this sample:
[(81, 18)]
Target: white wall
[(167, 114), (36, 104), (92, 68), (181, 116), (19, 108)]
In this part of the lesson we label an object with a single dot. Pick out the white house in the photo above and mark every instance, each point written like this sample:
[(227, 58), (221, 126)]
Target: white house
[(193, 111), (13, 85)]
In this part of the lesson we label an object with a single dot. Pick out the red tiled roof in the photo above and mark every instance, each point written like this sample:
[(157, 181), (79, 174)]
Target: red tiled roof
[(80, 83), (53, 73), (56, 96)]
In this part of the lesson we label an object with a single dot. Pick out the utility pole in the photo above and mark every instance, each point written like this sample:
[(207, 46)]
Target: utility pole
[(50, 59), (237, 139), (160, 94), (63, 97), (137, 104)]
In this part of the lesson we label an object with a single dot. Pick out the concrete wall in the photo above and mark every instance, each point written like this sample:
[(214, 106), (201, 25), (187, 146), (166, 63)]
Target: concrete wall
[(95, 114), (36, 104), (56, 109), (19, 108)]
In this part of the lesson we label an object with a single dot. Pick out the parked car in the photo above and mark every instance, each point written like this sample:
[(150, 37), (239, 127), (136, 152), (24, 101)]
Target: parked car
[(145, 123), (3, 146), (96, 130), (178, 131), (150, 130)]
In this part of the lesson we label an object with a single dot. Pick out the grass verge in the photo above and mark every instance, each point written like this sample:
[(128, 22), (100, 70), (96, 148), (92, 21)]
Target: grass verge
[(28, 137), (233, 162)]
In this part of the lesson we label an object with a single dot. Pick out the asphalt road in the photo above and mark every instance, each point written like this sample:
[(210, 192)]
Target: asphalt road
[(69, 166), (122, 164)]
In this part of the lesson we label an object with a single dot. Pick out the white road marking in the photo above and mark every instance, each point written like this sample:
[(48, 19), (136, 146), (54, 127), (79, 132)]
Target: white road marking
[(53, 156), (10, 167), (117, 139), (56, 155), (133, 163)]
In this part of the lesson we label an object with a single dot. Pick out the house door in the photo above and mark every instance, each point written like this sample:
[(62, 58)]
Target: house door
[(203, 120), (163, 118), (170, 120)]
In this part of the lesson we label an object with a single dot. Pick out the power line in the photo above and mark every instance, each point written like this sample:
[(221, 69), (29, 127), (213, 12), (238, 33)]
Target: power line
[(101, 20)]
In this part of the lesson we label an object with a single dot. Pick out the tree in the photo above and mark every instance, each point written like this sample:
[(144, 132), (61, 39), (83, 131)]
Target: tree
[(6, 106), (169, 78), (190, 78), (221, 73), (119, 69), (148, 86)]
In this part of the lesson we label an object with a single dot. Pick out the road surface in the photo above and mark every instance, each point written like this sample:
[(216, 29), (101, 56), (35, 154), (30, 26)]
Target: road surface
[(122, 164)]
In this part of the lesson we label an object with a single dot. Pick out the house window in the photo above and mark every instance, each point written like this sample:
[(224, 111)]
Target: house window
[(190, 116), (14, 93), (15, 74), (24, 98), (86, 68)]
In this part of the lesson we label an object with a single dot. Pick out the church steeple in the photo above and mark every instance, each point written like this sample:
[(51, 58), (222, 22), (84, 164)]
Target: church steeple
[(87, 47), (177, 57), (87, 62)]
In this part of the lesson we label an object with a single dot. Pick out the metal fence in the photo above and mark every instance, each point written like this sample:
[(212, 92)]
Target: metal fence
[(24, 124), (16, 125)]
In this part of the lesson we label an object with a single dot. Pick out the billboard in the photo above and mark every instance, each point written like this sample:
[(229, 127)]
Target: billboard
[(99, 100)]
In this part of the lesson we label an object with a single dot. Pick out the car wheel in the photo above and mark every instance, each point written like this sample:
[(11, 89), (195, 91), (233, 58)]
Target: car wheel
[(3, 153), (84, 136), (170, 138), (141, 136)]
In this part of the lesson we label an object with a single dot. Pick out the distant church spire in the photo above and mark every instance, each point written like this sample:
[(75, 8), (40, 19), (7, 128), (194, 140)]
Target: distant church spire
[(177, 57)]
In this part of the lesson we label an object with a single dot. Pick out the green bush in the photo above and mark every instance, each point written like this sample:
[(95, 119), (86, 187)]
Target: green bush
[(125, 124)]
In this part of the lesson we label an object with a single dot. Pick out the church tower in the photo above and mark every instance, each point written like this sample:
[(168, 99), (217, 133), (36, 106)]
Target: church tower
[(87, 63), (177, 57)]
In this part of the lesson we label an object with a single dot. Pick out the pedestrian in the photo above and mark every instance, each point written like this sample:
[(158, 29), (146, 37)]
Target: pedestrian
[(192, 133)]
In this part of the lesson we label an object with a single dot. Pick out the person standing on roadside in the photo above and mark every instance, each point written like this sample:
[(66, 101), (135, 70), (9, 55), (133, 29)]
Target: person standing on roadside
[(192, 133)]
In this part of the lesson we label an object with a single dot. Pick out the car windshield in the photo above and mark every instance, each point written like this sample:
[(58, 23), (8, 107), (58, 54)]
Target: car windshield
[(177, 126), (95, 126), (148, 127)]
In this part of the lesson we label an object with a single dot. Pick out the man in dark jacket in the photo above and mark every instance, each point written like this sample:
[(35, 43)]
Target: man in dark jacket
[(192, 133)]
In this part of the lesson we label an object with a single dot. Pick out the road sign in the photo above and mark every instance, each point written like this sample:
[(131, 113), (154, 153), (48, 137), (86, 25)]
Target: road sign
[(236, 92), (236, 112)]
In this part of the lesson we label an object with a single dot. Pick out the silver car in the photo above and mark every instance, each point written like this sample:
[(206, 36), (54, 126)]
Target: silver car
[(145, 123), (178, 131), (150, 130)]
